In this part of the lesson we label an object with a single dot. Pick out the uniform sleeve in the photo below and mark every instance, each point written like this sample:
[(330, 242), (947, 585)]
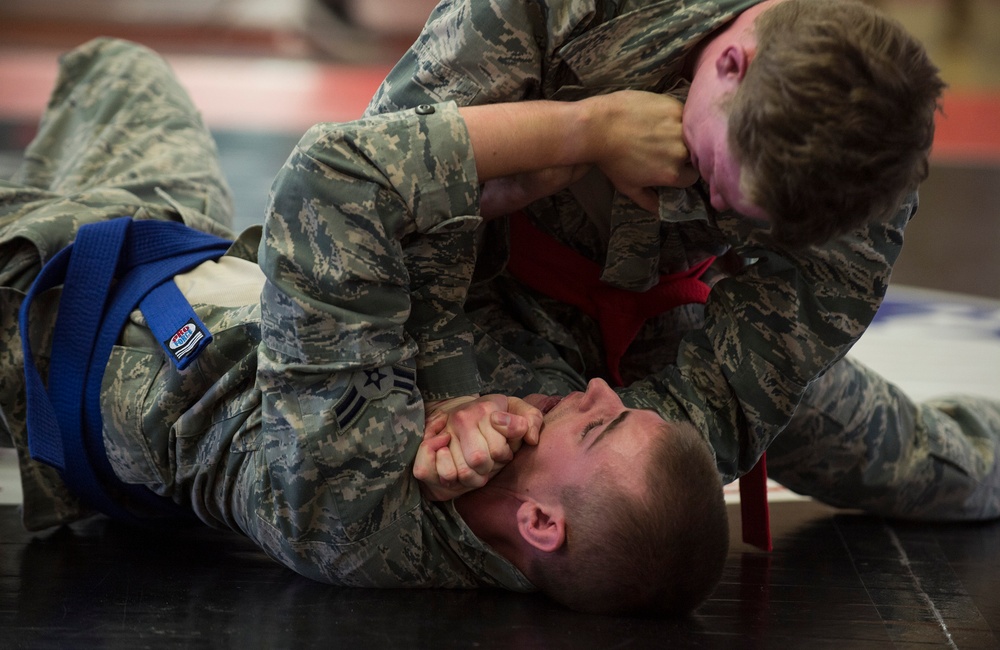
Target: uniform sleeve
[(368, 247), (367, 258), (769, 332), (483, 51), (488, 51)]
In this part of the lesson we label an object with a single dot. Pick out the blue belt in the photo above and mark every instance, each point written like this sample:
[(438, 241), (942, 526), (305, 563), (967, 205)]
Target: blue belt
[(110, 269)]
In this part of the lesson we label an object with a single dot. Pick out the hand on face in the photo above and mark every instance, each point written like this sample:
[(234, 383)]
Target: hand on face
[(644, 145), (468, 440), (585, 433)]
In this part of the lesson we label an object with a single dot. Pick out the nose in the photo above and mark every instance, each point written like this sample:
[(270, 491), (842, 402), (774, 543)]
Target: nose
[(597, 390)]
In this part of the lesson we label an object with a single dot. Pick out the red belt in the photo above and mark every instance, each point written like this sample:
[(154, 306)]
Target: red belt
[(546, 265)]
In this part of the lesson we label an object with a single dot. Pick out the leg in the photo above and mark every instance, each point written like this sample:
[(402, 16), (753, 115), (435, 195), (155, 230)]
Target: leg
[(857, 441), (118, 119), (119, 137)]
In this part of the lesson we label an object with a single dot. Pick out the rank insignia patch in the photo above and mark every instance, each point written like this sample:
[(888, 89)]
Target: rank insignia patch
[(369, 384)]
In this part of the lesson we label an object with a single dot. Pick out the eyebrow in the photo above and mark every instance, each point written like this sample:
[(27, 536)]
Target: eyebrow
[(611, 427)]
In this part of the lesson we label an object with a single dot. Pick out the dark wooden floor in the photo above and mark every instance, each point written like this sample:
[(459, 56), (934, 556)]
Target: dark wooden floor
[(834, 580)]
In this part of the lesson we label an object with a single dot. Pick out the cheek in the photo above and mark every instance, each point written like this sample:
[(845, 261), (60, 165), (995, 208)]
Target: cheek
[(549, 450), (687, 133), (727, 182), (716, 199), (691, 126)]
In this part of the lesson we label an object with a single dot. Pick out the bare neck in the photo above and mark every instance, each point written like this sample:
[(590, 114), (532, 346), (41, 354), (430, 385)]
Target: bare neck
[(492, 516)]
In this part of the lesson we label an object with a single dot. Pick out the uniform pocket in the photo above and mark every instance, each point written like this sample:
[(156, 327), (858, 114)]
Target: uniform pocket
[(135, 454), (961, 433)]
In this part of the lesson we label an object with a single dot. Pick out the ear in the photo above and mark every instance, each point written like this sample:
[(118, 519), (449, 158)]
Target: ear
[(544, 527), (731, 65)]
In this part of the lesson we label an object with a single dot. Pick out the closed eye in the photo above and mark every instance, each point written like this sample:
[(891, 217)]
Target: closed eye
[(590, 427)]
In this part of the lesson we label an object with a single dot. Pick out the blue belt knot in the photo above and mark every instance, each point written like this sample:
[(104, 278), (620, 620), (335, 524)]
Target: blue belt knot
[(110, 269)]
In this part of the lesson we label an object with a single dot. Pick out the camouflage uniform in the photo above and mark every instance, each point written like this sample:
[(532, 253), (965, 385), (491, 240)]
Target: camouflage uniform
[(298, 425), (749, 360)]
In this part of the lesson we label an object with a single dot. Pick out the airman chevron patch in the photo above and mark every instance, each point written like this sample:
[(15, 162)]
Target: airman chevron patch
[(369, 384)]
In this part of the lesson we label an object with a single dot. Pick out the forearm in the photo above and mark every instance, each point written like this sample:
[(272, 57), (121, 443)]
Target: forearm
[(633, 137), (524, 137)]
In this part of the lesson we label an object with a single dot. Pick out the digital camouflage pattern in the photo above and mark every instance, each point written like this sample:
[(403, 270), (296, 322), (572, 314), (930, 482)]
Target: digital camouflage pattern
[(351, 318), (751, 356), (480, 52), (857, 441), (298, 425), (95, 158)]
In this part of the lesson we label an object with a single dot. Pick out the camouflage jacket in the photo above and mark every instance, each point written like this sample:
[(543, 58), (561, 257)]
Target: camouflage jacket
[(746, 359), (368, 252), (298, 425)]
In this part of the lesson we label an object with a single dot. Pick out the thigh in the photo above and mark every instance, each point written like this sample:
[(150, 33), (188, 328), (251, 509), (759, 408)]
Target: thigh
[(857, 441), (120, 137), (119, 120)]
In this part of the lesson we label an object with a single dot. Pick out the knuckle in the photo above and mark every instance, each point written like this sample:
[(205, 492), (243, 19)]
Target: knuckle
[(469, 478), (461, 417), (478, 459)]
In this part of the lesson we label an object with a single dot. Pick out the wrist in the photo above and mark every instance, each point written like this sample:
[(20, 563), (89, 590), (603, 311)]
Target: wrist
[(445, 405), (593, 123)]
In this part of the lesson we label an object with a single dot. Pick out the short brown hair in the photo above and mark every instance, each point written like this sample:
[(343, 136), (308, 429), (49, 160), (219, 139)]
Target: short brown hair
[(661, 553), (833, 123)]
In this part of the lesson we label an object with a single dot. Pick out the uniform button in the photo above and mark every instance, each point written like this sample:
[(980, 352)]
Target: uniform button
[(424, 109)]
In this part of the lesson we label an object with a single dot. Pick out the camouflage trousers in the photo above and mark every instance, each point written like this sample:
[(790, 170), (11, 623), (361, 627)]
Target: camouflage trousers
[(119, 137), (857, 441)]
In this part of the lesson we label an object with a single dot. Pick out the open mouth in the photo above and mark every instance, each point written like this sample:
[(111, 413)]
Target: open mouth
[(549, 403)]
